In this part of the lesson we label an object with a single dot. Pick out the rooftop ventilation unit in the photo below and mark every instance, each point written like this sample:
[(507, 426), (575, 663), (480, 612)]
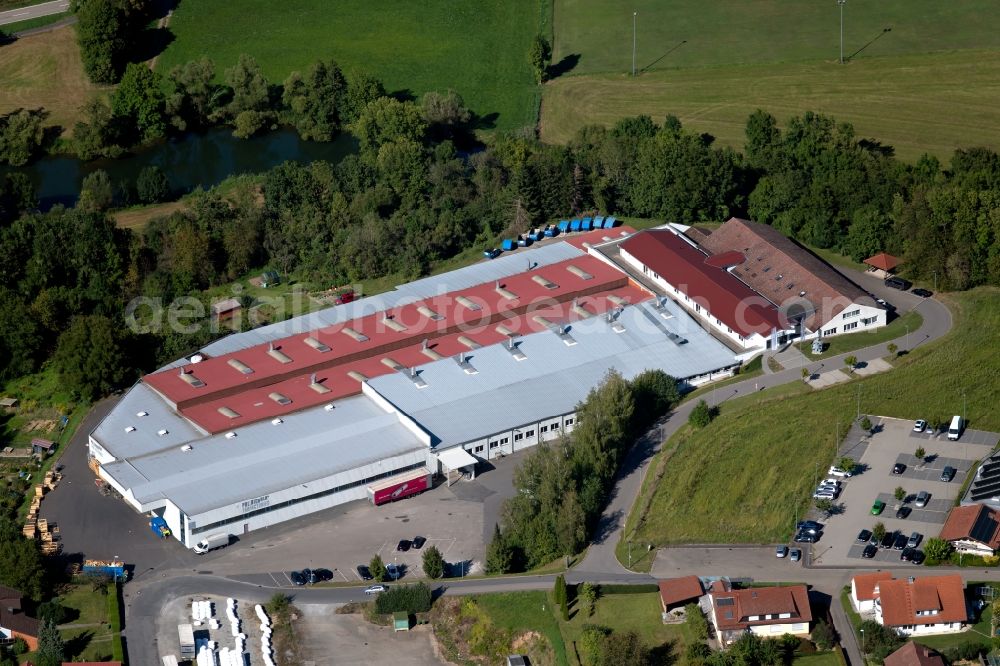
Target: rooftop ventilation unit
[(416, 378), (357, 376), (328, 407), (430, 314), (317, 345), (469, 342), (390, 322), (228, 413), (141, 414), (162, 432), (468, 303), (186, 448), (463, 362), (276, 421), (276, 354), (197, 358), (279, 398), (240, 366), (350, 332), (503, 330), (579, 310), (579, 272), (515, 350), (316, 386), (392, 363), (616, 299), (430, 353), (191, 379), (129, 428), (545, 283), (542, 321), (230, 435), (563, 333)]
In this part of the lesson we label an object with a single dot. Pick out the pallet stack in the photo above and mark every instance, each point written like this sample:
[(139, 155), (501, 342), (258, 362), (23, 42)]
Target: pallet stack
[(39, 528)]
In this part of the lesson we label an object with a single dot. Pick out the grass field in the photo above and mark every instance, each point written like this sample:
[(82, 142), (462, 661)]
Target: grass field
[(89, 637), (45, 71), (478, 49), (40, 22), (925, 85), (897, 328), (916, 103), (752, 494), (526, 611)]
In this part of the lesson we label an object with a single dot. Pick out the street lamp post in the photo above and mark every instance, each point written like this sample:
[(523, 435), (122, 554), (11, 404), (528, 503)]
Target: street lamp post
[(862, 644), (907, 337), (634, 17), (841, 3), (964, 413)]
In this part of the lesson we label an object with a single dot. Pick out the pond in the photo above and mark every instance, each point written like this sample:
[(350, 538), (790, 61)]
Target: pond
[(192, 160)]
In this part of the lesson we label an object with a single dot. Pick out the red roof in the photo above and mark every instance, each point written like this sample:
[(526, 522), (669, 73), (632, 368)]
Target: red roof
[(734, 609), (596, 236), (724, 296), (943, 595), (864, 584), (243, 382), (974, 522), (677, 590), (884, 261), (914, 654)]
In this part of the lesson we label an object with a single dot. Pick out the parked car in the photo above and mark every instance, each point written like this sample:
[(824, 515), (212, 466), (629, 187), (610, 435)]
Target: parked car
[(805, 537), (492, 253), (781, 551), (322, 575), (375, 589), (914, 540), (947, 474), (418, 542), (898, 468), (836, 471), (900, 541), (403, 545), (898, 283), (864, 536), (297, 578), (869, 551), (922, 293), (919, 425), (918, 557), (902, 512), (906, 555), (878, 507), (888, 539), (889, 307), (307, 574), (809, 525), (815, 528), (923, 497), (392, 571), (796, 555), (824, 494), (364, 572)]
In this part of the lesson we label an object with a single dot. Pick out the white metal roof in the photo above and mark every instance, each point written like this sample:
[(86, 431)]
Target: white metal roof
[(263, 458), (456, 458), (503, 393), (144, 437)]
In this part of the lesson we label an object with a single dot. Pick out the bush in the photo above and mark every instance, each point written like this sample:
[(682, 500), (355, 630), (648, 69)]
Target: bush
[(590, 642), (822, 635), (152, 185), (695, 621), (433, 562), (645, 588), (411, 599), (701, 415), (52, 610)]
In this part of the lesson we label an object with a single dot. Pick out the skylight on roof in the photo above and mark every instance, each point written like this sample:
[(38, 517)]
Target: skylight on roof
[(430, 314), (548, 284), (279, 398), (468, 303), (317, 345), (240, 366)]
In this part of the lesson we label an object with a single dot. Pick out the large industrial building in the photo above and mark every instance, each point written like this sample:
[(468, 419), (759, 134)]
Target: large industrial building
[(373, 397)]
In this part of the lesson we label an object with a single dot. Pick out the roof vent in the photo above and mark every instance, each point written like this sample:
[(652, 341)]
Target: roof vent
[(276, 421), (506, 293), (279, 398), (415, 378), (129, 428), (515, 349), (317, 345), (328, 407), (191, 379), (277, 355), (197, 358), (391, 322), (141, 414), (563, 333), (579, 310), (463, 362), (430, 314), (186, 448), (357, 376), (468, 342), (162, 432), (579, 272), (545, 283), (802, 293), (467, 303), (350, 332), (230, 435), (240, 366), (503, 330), (393, 363), (228, 412), (316, 386)]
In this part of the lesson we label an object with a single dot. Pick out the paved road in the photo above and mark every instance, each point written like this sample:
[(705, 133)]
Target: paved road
[(34, 11)]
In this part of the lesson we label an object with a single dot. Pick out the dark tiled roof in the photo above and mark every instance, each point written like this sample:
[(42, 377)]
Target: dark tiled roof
[(734, 609), (975, 522), (18, 622), (780, 270)]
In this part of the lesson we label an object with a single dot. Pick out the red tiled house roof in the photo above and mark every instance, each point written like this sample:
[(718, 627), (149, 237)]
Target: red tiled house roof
[(938, 599), (780, 269), (678, 590), (734, 609), (975, 522), (865, 584), (914, 654)]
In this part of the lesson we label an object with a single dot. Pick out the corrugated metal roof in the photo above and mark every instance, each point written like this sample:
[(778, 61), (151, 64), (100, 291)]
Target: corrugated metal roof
[(504, 393), (111, 433), (265, 458)]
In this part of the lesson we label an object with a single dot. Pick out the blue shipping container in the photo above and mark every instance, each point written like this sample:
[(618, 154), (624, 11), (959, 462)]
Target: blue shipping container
[(585, 224), (564, 226), (610, 223), (599, 222), (551, 231), (574, 225), (508, 244)]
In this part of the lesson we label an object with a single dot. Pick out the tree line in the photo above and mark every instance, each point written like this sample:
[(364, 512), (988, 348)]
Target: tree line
[(562, 487)]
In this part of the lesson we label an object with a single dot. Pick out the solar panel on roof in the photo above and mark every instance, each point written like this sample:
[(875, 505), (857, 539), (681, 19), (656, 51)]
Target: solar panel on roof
[(984, 528)]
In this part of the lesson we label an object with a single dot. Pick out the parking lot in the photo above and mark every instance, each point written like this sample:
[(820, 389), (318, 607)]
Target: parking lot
[(895, 442)]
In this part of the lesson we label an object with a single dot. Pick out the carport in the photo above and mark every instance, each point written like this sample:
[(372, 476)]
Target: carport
[(458, 460)]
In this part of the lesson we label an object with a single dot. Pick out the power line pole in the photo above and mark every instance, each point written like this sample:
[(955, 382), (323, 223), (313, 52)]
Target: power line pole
[(841, 3), (634, 18)]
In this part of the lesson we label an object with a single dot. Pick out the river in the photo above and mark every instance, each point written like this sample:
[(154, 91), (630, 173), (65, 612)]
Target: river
[(192, 160)]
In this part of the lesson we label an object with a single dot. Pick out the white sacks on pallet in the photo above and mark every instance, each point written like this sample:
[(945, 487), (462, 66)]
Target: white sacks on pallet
[(262, 614)]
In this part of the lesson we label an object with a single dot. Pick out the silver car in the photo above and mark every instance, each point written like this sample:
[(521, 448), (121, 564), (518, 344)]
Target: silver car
[(923, 497)]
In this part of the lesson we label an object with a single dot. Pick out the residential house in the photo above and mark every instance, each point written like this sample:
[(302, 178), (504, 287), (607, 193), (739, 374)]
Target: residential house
[(676, 592), (921, 606), (914, 654), (863, 590), (14, 622), (973, 529), (766, 611)]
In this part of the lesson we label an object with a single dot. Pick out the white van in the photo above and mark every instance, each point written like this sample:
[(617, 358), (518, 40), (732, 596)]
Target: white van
[(955, 429)]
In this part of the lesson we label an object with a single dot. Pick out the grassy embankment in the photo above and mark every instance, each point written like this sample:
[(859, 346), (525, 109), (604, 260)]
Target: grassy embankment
[(478, 49), (763, 449), (926, 85)]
